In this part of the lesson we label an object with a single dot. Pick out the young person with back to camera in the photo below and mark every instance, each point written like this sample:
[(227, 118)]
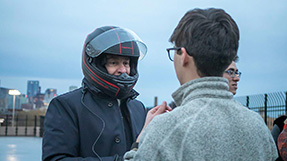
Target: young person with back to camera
[(207, 124)]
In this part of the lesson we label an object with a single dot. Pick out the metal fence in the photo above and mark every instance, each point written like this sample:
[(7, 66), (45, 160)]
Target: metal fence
[(23, 126), (269, 106)]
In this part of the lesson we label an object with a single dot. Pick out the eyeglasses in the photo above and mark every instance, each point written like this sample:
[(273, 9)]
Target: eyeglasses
[(232, 73), (171, 52)]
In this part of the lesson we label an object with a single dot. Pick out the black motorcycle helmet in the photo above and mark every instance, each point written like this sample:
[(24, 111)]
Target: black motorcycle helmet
[(116, 41)]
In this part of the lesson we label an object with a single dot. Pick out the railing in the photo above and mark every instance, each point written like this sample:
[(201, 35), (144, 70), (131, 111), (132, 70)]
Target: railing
[(269, 106), (23, 126)]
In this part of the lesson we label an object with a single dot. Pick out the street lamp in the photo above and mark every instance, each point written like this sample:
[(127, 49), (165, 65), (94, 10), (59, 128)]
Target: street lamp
[(14, 93), (1, 121)]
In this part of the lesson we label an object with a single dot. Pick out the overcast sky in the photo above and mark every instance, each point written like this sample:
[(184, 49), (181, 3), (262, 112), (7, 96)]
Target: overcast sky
[(43, 40)]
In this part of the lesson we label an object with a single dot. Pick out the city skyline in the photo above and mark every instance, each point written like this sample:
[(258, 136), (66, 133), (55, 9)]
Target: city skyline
[(22, 87)]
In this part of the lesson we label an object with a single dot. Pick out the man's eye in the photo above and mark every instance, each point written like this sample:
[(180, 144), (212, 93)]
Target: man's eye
[(112, 62), (126, 63)]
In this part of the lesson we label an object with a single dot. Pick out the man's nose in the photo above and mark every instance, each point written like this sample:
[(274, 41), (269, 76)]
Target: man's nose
[(236, 78), (122, 68)]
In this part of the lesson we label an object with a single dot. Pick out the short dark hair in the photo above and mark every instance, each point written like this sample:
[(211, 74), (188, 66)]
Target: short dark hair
[(210, 36), (236, 59)]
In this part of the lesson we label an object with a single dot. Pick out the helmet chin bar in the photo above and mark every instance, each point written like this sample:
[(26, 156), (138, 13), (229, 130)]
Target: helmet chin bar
[(124, 76), (118, 87)]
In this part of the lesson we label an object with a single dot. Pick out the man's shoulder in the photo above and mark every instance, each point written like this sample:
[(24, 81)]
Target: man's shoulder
[(69, 96), (244, 110), (163, 122), (75, 92)]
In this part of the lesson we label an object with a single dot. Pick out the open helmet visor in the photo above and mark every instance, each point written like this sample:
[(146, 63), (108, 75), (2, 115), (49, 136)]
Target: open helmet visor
[(116, 36)]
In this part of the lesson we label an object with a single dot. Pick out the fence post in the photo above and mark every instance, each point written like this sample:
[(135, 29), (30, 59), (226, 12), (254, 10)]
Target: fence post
[(35, 125), (26, 124), (42, 118), (155, 101), (265, 108), (16, 130), (247, 101), (6, 129)]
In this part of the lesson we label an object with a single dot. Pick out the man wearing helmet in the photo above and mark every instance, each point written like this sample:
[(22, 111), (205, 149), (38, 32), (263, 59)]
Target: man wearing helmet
[(100, 120)]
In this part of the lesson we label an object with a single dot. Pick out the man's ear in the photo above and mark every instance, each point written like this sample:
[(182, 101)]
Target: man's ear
[(184, 57)]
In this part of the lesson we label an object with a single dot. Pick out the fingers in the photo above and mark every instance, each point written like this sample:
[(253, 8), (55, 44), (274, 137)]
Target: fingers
[(169, 108), (162, 108), (155, 109)]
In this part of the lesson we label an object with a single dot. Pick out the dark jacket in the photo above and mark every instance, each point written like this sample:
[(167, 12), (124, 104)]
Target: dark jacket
[(87, 125)]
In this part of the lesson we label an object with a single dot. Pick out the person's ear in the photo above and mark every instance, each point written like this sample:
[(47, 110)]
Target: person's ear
[(184, 56)]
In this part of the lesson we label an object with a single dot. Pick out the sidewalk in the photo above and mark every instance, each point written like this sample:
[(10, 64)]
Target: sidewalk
[(20, 148)]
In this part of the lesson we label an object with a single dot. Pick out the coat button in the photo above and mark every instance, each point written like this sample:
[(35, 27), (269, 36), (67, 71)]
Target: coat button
[(110, 104), (117, 139)]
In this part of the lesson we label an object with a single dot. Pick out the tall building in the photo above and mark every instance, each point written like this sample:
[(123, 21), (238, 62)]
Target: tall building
[(3, 99), (6, 100), (19, 100), (50, 93), (32, 89)]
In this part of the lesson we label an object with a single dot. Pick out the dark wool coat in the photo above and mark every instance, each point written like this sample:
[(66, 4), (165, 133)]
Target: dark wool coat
[(86, 125)]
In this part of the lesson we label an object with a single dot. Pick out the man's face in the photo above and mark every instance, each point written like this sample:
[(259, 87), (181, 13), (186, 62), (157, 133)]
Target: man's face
[(178, 69), (232, 81), (117, 65)]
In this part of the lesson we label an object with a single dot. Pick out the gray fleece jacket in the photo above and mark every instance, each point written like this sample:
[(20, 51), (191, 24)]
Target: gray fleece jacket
[(208, 124)]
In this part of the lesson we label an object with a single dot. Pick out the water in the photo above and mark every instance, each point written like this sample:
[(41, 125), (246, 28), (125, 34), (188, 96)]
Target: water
[(20, 148)]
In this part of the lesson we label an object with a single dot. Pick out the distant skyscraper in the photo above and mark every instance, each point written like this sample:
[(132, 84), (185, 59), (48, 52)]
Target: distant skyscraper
[(49, 95), (32, 89), (3, 99)]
